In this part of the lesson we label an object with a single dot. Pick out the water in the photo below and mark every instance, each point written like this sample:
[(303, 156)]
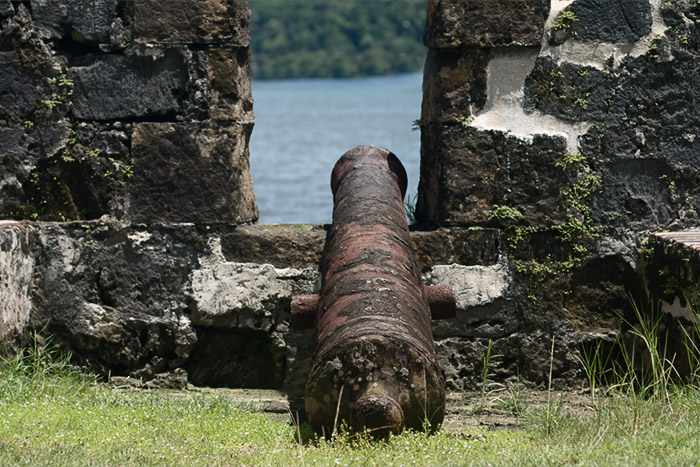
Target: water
[(303, 126)]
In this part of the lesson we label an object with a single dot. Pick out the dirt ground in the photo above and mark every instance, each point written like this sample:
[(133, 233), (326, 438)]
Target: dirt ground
[(497, 409)]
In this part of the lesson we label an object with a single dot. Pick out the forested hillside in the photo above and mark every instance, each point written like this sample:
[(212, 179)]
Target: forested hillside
[(336, 38)]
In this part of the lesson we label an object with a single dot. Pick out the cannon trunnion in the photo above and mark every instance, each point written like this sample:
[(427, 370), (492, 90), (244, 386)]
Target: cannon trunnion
[(375, 365)]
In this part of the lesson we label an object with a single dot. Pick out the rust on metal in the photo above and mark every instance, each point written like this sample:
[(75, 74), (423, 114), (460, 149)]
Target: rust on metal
[(441, 300), (375, 365)]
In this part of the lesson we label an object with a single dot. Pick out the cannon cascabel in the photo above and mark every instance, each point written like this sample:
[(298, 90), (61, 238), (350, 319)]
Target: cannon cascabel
[(375, 365)]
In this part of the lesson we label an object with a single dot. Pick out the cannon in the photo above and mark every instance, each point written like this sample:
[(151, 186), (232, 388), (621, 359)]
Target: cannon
[(374, 365)]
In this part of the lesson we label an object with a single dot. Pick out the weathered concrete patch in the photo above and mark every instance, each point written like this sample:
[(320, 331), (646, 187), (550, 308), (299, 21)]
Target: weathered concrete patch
[(484, 300), (504, 110), (246, 295), (242, 309), (474, 285)]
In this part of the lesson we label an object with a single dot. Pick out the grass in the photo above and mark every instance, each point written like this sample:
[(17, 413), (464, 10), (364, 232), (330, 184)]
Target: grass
[(51, 414), (409, 206)]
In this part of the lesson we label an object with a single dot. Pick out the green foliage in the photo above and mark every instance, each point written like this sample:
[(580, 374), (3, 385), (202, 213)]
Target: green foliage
[(576, 197), (570, 159), (653, 51), (52, 102), (333, 38), (504, 213), (638, 370), (639, 413), (564, 21), (410, 207), (38, 370)]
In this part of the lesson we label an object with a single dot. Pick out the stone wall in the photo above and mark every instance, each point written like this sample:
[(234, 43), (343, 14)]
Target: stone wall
[(123, 125), (571, 126), (139, 111), (555, 136)]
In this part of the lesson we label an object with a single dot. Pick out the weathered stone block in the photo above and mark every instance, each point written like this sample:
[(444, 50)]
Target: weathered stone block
[(524, 353), (187, 22), (242, 309), (114, 295), (636, 194), (112, 87), (279, 245), (485, 297), (574, 93), (600, 293), (6, 7), (244, 295), (230, 96), (466, 173), (16, 273), (623, 21), (456, 246), (84, 20), (454, 85), (684, 19), (302, 245), (73, 173), (484, 23), (672, 268), (19, 90), (142, 301), (191, 172)]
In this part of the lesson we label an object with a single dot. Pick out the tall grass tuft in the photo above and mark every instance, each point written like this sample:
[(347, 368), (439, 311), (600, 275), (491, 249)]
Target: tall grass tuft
[(637, 377), (40, 368), (691, 342)]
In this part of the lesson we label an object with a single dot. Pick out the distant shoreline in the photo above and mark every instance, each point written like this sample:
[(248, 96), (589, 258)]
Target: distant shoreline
[(335, 39), (350, 78)]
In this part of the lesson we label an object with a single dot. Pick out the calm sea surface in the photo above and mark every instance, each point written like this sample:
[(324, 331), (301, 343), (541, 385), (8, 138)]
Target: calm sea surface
[(303, 126)]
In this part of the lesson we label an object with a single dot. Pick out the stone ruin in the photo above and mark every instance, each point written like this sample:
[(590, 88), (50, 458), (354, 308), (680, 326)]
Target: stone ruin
[(555, 137)]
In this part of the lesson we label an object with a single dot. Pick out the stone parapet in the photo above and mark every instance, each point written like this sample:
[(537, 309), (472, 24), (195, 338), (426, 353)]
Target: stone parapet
[(81, 80), (141, 301), (570, 126)]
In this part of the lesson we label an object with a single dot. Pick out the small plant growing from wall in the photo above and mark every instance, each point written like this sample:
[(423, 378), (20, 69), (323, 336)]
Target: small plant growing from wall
[(504, 213), (562, 28), (571, 235)]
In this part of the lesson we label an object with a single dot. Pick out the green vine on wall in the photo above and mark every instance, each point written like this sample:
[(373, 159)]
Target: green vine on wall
[(576, 199)]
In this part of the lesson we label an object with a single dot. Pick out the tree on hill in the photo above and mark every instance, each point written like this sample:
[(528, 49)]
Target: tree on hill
[(336, 38)]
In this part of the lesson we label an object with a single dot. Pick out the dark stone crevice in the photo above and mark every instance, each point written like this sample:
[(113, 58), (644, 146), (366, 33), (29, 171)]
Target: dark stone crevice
[(235, 358)]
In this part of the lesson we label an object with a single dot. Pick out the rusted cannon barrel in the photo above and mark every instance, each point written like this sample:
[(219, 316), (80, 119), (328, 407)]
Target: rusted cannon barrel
[(375, 365)]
